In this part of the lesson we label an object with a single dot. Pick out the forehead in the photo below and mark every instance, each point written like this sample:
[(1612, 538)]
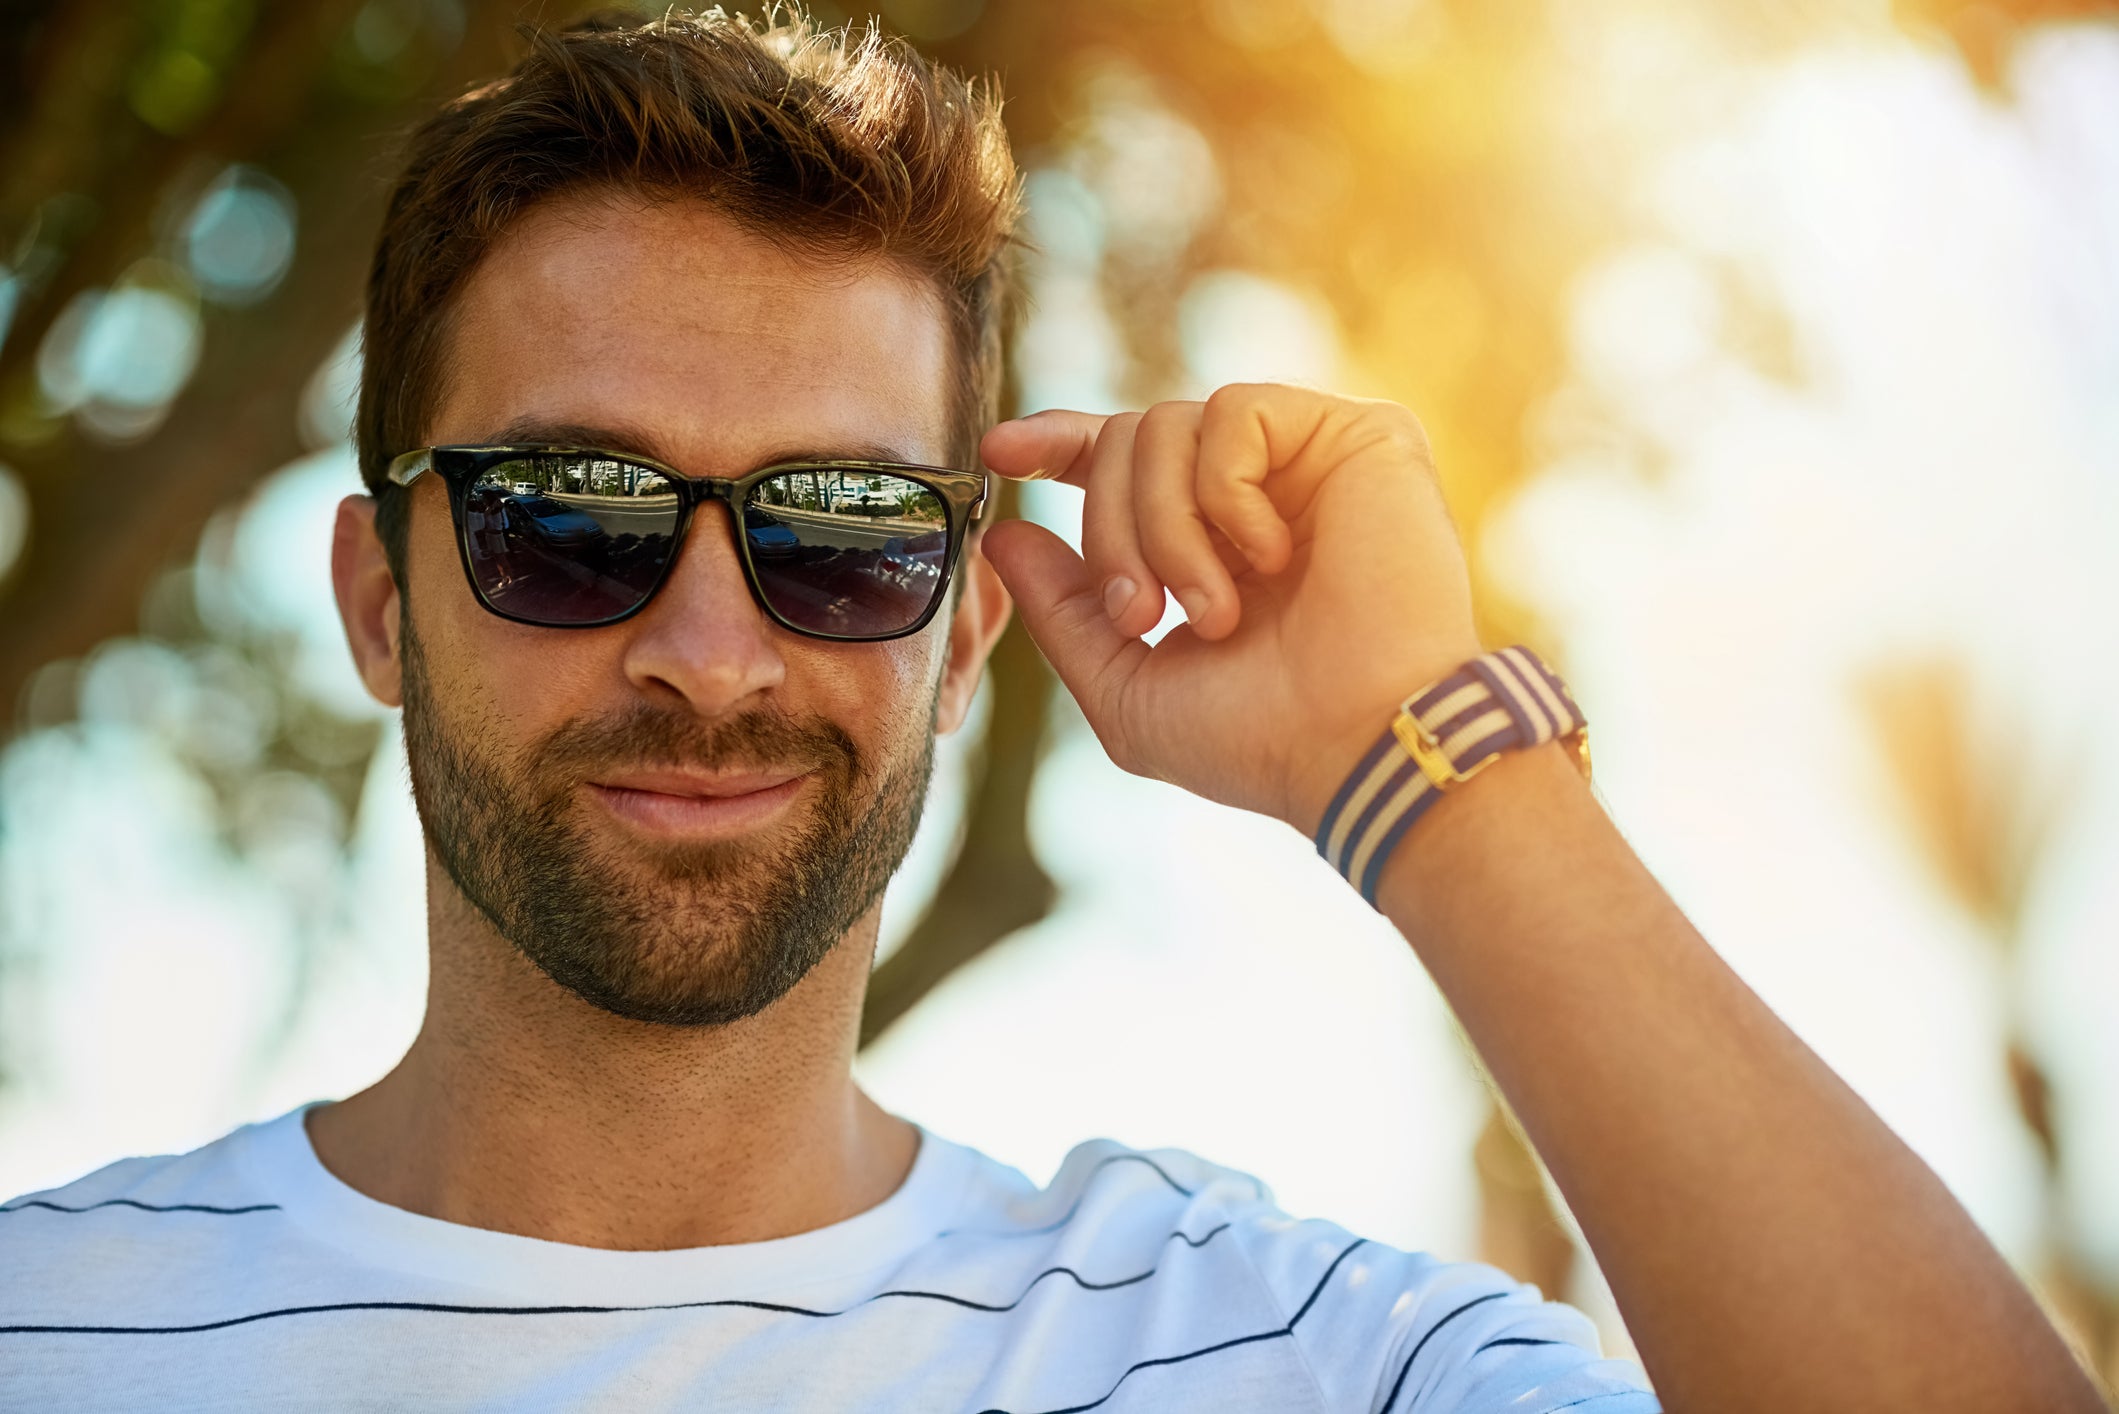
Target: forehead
[(708, 347)]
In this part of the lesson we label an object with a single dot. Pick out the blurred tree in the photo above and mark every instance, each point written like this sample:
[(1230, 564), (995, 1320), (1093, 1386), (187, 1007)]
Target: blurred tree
[(123, 120), (1985, 31), (1981, 809)]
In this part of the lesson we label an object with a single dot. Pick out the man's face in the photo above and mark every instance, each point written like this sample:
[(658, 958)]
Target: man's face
[(564, 775)]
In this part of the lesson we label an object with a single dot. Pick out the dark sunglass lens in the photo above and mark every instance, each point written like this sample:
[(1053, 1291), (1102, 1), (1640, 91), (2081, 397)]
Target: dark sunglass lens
[(569, 540), (853, 554)]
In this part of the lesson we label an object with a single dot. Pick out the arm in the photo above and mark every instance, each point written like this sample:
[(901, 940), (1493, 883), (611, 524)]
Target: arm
[(1772, 1245)]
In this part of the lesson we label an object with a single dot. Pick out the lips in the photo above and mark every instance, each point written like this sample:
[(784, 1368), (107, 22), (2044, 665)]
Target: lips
[(695, 784), (691, 805)]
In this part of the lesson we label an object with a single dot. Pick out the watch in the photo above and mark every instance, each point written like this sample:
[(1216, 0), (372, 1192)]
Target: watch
[(1443, 735)]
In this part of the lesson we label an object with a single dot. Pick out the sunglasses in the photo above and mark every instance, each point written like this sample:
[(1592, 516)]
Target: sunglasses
[(571, 537)]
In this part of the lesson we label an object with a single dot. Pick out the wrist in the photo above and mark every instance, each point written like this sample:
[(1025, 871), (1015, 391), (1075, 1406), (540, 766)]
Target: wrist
[(1453, 850), (1349, 731), (1442, 736)]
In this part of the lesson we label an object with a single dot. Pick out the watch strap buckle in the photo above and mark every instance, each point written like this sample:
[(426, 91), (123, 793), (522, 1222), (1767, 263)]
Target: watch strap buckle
[(1427, 752)]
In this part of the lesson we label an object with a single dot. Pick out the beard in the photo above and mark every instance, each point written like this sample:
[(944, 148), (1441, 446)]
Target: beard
[(694, 934)]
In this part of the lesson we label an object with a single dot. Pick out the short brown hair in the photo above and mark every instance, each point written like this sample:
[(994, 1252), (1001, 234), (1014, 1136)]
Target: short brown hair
[(840, 144)]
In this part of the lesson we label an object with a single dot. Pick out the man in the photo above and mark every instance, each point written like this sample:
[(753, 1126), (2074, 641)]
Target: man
[(654, 326)]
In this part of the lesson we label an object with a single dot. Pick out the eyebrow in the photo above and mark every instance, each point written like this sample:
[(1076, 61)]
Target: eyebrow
[(627, 439)]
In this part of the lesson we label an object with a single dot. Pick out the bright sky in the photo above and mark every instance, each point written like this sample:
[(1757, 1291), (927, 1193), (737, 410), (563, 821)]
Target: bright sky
[(1944, 480)]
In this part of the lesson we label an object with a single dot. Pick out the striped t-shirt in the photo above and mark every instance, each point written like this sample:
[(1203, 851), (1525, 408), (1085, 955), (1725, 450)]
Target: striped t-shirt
[(244, 1276)]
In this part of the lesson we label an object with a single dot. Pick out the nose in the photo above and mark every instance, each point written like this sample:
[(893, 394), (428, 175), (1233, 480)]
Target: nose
[(702, 642)]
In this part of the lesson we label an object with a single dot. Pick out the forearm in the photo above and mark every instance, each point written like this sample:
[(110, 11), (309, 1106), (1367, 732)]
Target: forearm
[(1772, 1245)]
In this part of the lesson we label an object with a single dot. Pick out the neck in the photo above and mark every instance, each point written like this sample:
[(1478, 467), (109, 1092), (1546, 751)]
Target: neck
[(523, 1109)]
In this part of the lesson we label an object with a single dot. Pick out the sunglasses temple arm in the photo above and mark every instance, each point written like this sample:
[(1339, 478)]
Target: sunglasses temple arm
[(404, 469)]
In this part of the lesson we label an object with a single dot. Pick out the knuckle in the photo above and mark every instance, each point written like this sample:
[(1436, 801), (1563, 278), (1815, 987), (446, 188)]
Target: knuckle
[(1190, 567), (1175, 415), (1115, 747), (1125, 752), (1222, 497), (1235, 398), (1396, 426), (1117, 426)]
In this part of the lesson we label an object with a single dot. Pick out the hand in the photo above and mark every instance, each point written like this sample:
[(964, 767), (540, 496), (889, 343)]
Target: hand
[(1306, 537)]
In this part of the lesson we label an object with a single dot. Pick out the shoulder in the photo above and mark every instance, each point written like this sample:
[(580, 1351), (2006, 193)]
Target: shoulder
[(1378, 1327), (132, 1220), (204, 1180), (1107, 1196)]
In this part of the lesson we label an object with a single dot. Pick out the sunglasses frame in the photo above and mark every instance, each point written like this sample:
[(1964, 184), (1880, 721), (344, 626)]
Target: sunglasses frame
[(963, 495)]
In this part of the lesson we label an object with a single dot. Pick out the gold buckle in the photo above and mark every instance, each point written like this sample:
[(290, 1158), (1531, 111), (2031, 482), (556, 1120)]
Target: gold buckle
[(1426, 751)]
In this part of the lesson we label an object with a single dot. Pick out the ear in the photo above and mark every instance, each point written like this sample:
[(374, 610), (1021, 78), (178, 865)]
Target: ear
[(981, 613), (367, 599)]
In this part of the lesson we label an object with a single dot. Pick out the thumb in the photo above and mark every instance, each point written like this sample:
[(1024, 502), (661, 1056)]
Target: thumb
[(1063, 610)]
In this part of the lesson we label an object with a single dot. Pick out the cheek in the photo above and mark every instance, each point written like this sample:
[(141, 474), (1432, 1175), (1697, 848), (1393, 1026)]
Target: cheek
[(880, 693), (497, 682)]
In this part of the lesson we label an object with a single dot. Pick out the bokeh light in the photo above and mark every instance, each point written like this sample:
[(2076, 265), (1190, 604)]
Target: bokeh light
[(116, 358), (239, 237)]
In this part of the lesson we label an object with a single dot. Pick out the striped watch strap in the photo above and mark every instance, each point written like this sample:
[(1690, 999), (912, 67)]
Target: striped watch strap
[(1443, 735)]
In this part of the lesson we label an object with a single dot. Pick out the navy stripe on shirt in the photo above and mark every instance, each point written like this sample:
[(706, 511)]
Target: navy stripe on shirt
[(143, 1207), (448, 1309), (1428, 1335), (1284, 1331)]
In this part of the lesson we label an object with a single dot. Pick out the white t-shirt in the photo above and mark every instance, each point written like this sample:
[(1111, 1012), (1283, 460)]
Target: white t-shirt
[(245, 1276)]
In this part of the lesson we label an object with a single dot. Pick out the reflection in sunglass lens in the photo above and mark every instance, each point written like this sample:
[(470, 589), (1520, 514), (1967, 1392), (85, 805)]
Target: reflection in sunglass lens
[(853, 554), (568, 539)]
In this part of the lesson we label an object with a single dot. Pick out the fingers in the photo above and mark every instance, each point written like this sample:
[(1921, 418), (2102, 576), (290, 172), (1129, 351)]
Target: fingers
[(1054, 445), (1271, 446), (1061, 604), (1236, 454), (1130, 591), (1178, 496), (1173, 534)]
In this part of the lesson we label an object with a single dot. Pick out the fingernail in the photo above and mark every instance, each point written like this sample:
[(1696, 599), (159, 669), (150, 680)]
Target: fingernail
[(1193, 602), (1118, 593)]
